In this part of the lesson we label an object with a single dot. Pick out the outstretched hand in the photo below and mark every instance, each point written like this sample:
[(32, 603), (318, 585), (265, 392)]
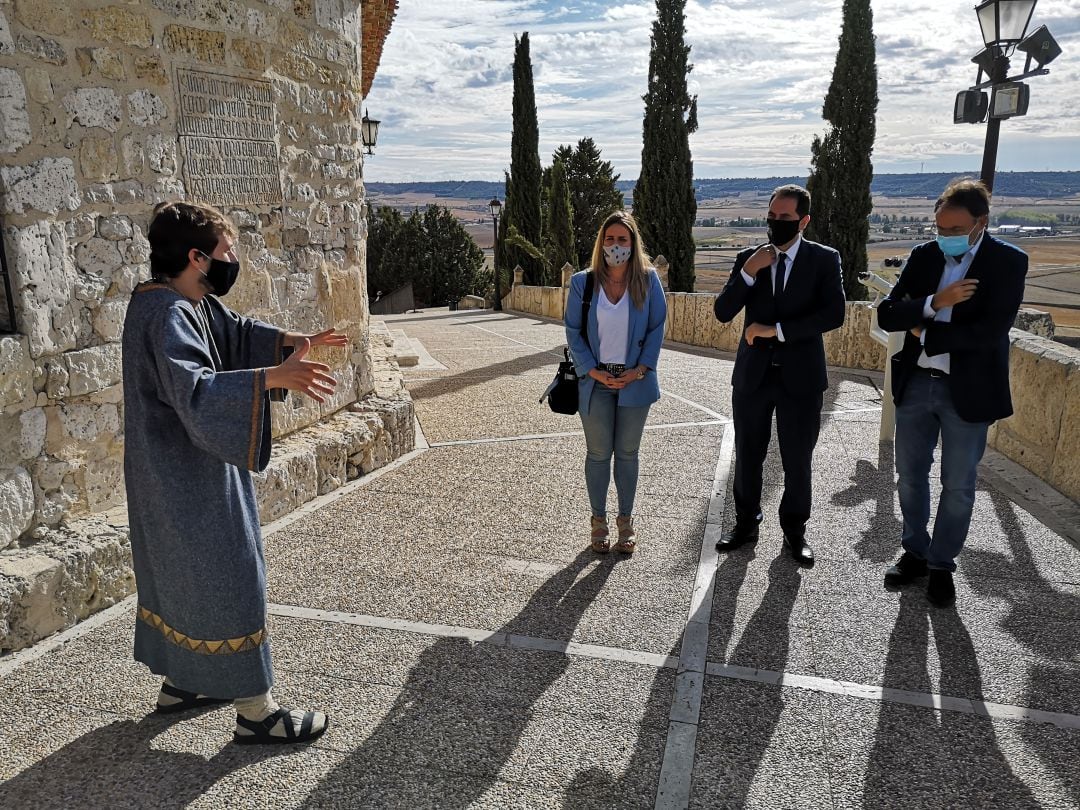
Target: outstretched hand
[(299, 374), (327, 337)]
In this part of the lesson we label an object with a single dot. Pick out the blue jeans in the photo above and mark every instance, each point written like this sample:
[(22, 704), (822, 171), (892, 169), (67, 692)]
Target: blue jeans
[(927, 411), (609, 430)]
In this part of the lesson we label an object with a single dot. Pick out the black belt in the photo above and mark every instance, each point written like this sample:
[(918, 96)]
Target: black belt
[(935, 373), (614, 369)]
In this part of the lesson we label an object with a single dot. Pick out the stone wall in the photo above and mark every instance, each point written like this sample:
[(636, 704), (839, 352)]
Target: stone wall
[(1043, 435), (107, 108)]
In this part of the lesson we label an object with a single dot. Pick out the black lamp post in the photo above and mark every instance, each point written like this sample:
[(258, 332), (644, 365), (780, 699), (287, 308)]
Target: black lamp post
[(496, 208), (1003, 24), (369, 132)]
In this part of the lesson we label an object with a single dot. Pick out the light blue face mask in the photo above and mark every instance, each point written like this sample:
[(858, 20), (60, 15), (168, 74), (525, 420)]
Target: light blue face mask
[(955, 245)]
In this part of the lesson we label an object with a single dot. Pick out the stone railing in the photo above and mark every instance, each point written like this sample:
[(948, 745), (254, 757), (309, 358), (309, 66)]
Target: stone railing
[(1043, 435)]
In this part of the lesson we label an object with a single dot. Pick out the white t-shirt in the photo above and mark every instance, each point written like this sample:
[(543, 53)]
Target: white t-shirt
[(613, 323)]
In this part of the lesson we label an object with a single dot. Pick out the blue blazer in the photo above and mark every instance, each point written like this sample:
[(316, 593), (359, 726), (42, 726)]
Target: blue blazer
[(646, 336)]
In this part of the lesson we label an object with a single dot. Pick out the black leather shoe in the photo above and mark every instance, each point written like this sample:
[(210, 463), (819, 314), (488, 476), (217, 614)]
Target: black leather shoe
[(907, 569), (739, 536), (799, 550), (940, 589)]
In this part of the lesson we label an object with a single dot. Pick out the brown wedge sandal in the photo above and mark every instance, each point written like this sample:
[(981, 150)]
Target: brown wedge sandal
[(598, 538), (627, 542)]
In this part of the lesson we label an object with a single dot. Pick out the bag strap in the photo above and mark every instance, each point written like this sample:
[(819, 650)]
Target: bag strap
[(586, 302)]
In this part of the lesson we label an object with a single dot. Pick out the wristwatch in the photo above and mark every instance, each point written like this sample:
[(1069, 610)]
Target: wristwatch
[(641, 373)]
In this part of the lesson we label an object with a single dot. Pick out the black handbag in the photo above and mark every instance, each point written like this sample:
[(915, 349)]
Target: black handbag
[(562, 394)]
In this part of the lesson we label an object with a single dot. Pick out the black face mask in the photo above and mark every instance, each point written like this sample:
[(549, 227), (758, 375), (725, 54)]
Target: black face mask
[(221, 275), (782, 231)]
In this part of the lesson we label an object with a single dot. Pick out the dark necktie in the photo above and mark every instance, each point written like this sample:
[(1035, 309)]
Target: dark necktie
[(778, 284)]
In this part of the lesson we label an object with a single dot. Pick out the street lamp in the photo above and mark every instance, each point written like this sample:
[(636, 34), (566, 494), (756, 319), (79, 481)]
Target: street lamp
[(496, 208), (369, 132), (1003, 24)]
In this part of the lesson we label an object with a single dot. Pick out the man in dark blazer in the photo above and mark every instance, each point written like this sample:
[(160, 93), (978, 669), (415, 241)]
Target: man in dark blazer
[(793, 292), (956, 299)]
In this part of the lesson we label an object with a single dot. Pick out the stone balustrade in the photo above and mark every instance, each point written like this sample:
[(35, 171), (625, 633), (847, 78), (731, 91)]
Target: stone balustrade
[(1043, 435)]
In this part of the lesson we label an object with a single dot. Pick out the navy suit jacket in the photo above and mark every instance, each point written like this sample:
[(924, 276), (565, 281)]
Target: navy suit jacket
[(811, 303), (977, 339)]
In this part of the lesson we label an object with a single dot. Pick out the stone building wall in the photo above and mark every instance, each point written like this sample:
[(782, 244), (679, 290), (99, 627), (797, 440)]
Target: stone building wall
[(107, 108)]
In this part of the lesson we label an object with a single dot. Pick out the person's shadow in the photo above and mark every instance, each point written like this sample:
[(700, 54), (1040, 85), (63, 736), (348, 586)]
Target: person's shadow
[(932, 759), (879, 541), (117, 766), (463, 710)]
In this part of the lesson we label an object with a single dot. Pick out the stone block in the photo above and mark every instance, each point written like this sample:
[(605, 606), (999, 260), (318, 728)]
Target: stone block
[(39, 85), (150, 69), (16, 504), (146, 109), (66, 576), (93, 369), (99, 257), (120, 24), (115, 227), (161, 154), (7, 44), (104, 62), (1065, 471), (289, 481), (197, 43), (98, 158), (45, 18), (46, 185), (47, 50), (102, 482), (226, 14), (14, 117), (43, 287), (93, 107), (16, 370), (249, 54)]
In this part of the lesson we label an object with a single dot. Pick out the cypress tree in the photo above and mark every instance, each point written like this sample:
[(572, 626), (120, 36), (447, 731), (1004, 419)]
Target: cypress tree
[(559, 228), (523, 196), (664, 202), (593, 194), (841, 170)]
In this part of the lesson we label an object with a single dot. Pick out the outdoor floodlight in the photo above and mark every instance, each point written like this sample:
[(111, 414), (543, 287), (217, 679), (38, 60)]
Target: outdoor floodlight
[(1010, 99), (369, 132), (1040, 46), (1004, 22), (970, 107)]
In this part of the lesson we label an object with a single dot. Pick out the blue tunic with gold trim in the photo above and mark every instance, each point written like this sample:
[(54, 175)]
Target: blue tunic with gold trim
[(197, 421)]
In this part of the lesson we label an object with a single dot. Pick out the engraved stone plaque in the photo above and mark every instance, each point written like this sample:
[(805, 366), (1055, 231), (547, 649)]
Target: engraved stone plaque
[(227, 128)]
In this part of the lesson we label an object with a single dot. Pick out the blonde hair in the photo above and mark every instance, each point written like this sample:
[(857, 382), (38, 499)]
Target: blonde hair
[(637, 268)]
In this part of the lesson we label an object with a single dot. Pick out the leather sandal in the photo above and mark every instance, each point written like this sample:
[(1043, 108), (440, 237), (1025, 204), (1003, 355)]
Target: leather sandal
[(627, 542), (260, 729), (186, 700), (598, 538)]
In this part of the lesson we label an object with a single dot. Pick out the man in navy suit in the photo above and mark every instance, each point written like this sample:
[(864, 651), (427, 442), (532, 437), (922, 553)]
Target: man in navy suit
[(793, 292), (956, 300)]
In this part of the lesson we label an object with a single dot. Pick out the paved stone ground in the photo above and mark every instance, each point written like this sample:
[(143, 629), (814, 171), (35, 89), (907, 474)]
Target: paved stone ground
[(473, 654)]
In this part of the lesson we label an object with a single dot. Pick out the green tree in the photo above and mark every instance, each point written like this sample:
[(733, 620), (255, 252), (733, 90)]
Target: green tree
[(841, 170), (399, 255), (522, 207), (559, 226), (453, 262), (664, 202), (384, 223), (593, 194)]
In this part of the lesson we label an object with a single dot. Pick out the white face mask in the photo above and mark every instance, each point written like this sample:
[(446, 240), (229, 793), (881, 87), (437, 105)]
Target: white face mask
[(615, 255)]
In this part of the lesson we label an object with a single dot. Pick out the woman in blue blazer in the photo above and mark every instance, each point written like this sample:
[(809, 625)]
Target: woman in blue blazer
[(616, 367)]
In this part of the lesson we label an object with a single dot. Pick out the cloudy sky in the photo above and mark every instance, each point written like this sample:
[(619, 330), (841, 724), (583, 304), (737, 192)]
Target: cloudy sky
[(761, 68)]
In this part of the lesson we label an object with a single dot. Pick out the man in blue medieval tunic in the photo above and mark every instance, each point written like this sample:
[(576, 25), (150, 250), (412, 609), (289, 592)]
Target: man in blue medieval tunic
[(198, 381)]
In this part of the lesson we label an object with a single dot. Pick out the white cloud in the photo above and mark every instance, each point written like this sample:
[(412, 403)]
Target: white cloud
[(445, 85)]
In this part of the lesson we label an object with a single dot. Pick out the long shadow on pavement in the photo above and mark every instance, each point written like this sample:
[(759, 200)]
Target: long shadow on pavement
[(452, 383), (451, 731), (925, 758), (879, 541), (118, 766)]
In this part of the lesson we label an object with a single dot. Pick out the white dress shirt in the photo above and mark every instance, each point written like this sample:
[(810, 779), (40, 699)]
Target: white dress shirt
[(789, 263), (613, 324), (955, 269)]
